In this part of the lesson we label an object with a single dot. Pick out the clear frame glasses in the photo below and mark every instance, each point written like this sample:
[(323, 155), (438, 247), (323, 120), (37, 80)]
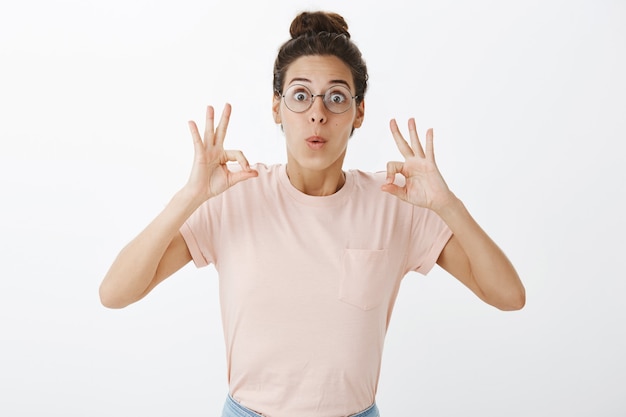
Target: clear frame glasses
[(337, 99)]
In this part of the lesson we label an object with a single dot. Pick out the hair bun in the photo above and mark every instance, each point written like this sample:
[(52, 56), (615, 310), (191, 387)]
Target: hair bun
[(310, 23)]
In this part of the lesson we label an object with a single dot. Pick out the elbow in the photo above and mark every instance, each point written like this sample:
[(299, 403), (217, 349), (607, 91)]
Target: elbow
[(514, 301), (108, 299), (513, 306)]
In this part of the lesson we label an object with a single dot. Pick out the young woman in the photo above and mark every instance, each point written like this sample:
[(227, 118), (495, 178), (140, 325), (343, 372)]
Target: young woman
[(310, 257)]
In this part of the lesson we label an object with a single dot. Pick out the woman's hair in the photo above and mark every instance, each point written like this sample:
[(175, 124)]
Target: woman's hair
[(321, 33)]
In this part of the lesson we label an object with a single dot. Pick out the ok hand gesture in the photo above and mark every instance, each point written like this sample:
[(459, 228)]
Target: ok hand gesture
[(424, 185), (210, 175)]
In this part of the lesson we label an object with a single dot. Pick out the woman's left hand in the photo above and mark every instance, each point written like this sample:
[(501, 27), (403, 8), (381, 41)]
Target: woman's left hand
[(424, 185)]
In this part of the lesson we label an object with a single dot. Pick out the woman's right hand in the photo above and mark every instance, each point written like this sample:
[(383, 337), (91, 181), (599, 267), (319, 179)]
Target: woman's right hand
[(210, 175)]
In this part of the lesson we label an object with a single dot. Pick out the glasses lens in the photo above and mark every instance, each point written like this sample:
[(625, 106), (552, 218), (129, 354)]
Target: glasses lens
[(338, 99), (298, 98)]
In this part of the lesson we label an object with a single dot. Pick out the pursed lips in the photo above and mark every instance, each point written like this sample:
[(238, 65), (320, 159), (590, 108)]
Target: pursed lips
[(315, 142), (316, 139)]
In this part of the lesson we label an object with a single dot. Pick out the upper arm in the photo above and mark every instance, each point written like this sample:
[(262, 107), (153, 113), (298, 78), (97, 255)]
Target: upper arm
[(175, 257), (454, 260)]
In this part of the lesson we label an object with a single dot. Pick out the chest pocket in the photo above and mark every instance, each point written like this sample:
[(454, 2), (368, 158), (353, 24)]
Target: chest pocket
[(365, 281)]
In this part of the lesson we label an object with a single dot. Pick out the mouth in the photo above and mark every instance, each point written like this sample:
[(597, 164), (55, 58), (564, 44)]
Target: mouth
[(315, 142)]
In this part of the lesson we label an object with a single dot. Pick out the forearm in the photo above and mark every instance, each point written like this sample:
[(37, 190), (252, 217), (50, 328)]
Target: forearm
[(487, 267), (136, 265)]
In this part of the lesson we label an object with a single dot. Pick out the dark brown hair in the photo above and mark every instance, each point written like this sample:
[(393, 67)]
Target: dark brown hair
[(321, 33)]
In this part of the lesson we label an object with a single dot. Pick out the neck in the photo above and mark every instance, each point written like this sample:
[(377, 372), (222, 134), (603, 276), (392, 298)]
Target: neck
[(316, 183)]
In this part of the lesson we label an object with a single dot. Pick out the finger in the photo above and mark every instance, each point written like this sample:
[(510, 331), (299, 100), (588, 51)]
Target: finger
[(220, 134), (239, 176), (239, 157), (402, 145), (195, 135), (393, 168), (245, 173), (209, 130), (394, 190), (430, 150), (415, 140)]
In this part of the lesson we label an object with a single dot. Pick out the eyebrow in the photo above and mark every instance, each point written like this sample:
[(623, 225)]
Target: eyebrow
[(306, 80)]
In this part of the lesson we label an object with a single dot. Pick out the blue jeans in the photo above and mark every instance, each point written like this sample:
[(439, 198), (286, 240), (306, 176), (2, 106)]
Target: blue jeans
[(233, 409)]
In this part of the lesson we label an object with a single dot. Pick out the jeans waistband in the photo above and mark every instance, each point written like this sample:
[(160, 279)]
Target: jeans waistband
[(233, 409)]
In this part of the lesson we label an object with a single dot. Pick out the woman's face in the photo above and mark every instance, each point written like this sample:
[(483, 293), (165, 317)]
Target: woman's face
[(317, 138)]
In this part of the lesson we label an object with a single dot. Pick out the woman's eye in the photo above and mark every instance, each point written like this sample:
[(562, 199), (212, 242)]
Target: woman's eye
[(337, 98), (300, 96)]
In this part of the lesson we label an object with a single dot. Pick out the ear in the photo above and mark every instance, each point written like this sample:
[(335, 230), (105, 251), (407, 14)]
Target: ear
[(360, 115), (276, 109)]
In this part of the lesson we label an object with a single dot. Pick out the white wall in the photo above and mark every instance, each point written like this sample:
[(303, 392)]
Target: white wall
[(527, 100)]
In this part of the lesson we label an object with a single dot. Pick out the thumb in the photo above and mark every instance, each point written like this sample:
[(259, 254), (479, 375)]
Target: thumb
[(393, 189), (239, 176)]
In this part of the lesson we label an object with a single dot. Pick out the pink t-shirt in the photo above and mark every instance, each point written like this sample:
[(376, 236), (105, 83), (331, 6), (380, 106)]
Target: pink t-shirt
[(307, 286)]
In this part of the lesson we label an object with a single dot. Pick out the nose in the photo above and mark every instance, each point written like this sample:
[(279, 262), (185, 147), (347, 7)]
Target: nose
[(318, 109)]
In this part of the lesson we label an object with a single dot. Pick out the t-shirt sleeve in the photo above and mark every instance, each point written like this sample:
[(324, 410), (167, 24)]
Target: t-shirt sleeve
[(200, 232), (429, 235)]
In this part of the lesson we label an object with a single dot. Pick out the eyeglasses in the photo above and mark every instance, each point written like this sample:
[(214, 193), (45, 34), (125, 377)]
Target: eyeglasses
[(337, 99)]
